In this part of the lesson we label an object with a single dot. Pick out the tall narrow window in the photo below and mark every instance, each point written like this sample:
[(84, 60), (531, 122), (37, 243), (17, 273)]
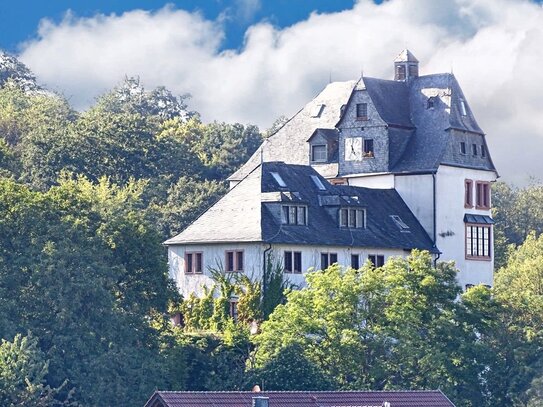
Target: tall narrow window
[(400, 72), (355, 261), (189, 262), (468, 194), (482, 195), (474, 149), (462, 147), (233, 310), (361, 111), (297, 262), (368, 147), (288, 262), (483, 151), (239, 261)]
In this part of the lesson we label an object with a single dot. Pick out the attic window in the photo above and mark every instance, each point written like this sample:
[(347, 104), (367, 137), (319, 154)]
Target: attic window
[(400, 72), (368, 147), (318, 153), (399, 222), (318, 183), (278, 179), (361, 111), (352, 218), (483, 151), (463, 110), (431, 103), (474, 149), (462, 147), (294, 215), (316, 110)]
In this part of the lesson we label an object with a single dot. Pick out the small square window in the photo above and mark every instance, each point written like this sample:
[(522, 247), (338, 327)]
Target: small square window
[(327, 259), (462, 147), (318, 153), (361, 111)]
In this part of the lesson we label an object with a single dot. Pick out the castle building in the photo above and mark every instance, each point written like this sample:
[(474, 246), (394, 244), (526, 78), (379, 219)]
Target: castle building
[(368, 169)]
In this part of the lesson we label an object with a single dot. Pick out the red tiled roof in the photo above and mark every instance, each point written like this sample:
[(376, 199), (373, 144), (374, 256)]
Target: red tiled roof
[(415, 398)]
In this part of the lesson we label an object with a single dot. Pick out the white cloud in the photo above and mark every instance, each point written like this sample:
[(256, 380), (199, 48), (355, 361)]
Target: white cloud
[(494, 47)]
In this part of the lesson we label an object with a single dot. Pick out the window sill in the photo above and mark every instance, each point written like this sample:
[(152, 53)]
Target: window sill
[(291, 272), (233, 271), (196, 273), (468, 206), (478, 258), (486, 208)]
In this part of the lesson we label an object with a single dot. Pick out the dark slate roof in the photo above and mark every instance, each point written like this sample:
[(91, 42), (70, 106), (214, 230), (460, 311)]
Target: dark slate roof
[(322, 229), (391, 99), (245, 213), (328, 134), (418, 398)]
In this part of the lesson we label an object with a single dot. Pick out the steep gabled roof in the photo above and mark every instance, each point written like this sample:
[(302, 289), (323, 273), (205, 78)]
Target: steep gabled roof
[(246, 213), (289, 143), (398, 398), (406, 56)]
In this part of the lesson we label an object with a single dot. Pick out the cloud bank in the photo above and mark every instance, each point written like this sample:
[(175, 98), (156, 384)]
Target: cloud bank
[(494, 48)]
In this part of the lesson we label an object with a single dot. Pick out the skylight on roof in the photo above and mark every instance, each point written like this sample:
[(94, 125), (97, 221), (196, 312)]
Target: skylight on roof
[(278, 179), (316, 110), (463, 107), (318, 183), (399, 222)]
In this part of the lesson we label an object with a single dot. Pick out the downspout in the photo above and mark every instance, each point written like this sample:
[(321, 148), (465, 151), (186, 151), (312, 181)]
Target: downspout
[(435, 219), (264, 269)]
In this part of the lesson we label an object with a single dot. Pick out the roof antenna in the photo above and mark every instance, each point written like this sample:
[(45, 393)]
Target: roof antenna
[(330, 77)]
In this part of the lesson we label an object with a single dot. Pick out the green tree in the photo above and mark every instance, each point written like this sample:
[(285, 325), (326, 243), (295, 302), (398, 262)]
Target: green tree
[(23, 372)]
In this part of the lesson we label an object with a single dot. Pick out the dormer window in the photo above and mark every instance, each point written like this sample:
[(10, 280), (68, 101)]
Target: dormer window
[(278, 179), (318, 153), (294, 215), (361, 111), (483, 151), (463, 110), (431, 103), (474, 149), (352, 218)]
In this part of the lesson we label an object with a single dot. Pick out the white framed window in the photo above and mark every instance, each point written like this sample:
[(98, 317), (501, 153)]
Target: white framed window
[(352, 218), (318, 153), (327, 259), (293, 262), (294, 215), (378, 260)]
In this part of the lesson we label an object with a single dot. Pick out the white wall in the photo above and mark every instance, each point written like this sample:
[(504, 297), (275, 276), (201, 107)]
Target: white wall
[(213, 255), (450, 223), (385, 181), (417, 191)]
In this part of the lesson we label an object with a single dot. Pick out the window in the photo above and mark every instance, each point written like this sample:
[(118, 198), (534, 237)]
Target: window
[(399, 222), (378, 260), (316, 110), (474, 149), (482, 198), (483, 151), (318, 183), (361, 111), (468, 194), (293, 262), (193, 263), (413, 71), (352, 218), (234, 260), (233, 309), (294, 215), (368, 147), (400, 72), (462, 147), (278, 179), (355, 261), (318, 153), (431, 102), (477, 241), (463, 110), (327, 259)]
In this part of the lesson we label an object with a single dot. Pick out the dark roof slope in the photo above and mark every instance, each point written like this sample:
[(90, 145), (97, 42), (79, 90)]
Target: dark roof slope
[(420, 398), (323, 226), (391, 99)]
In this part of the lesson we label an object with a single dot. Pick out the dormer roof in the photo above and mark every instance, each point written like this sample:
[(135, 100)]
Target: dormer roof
[(406, 56)]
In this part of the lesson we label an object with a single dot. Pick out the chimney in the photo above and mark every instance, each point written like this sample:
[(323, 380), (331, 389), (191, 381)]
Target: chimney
[(406, 66)]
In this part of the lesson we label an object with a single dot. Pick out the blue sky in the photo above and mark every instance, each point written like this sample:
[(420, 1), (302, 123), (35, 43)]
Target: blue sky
[(251, 61), (19, 19)]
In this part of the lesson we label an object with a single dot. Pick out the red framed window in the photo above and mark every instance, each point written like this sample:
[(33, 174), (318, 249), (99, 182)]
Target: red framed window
[(468, 194), (194, 263), (234, 261), (482, 195)]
